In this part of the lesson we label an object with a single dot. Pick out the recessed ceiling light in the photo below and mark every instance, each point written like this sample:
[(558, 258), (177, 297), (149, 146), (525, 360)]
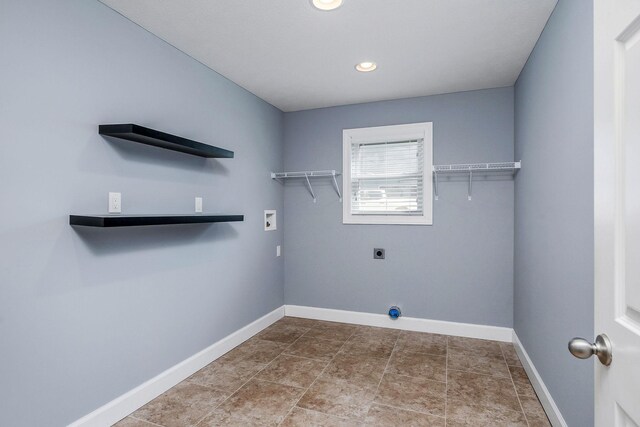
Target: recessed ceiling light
[(366, 66), (327, 4)]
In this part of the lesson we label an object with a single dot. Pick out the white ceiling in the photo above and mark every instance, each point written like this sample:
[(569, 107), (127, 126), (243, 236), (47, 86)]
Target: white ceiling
[(296, 57)]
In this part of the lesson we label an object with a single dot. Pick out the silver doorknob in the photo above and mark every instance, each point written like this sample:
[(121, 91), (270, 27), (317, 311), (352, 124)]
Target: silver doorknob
[(583, 349)]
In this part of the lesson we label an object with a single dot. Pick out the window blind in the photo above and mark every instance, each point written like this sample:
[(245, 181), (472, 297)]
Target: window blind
[(387, 178)]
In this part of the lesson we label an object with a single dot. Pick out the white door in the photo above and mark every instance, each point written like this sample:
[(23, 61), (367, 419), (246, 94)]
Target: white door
[(617, 209)]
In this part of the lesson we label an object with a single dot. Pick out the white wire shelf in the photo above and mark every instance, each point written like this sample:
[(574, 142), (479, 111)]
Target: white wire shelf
[(477, 167), (281, 176), (471, 168)]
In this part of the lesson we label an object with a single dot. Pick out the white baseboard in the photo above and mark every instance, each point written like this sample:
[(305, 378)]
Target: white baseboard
[(127, 403), (469, 330), (549, 405)]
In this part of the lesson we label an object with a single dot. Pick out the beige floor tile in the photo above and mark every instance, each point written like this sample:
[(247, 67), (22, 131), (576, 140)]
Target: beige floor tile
[(256, 350), (533, 410), (183, 405), (539, 422), (413, 393), (261, 402), (338, 398), (281, 333), (369, 346), (478, 361), (299, 322), (331, 331), (384, 416), (510, 354), (423, 365), (518, 374), (473, 344), (418, 342), (373, 331), (314, 348), (525, 389), (219, 418), (469, 413), (132, 422), (292, 370), (226, 376), (356, 369), (492, 392), (304, 418)]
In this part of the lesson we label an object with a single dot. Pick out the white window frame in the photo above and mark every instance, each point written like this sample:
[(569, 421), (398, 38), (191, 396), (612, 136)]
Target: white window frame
[(394, 133)]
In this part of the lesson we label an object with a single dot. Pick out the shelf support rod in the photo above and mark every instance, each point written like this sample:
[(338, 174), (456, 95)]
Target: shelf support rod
[(470, 180), (306, 176), (435, 178), (335, 183)]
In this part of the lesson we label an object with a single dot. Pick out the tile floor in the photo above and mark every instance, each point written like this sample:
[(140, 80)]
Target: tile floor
[(301, 372)]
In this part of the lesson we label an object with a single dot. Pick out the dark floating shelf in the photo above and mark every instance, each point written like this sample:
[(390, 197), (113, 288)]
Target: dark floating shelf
[(144, 135), (137, 220)]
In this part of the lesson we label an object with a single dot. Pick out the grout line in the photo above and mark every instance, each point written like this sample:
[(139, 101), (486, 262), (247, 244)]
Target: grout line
[(409, 410), (316, 379), (251, 378), (318, 412), (424, 352), (295, 341), (421, 377), (301, 357), (232, 393), (515, 389), (446, 382), (386, 367), (277, 383), (504, 360), (260, 339), (484, 374), (310, 358), (143, 420), (496, 377)]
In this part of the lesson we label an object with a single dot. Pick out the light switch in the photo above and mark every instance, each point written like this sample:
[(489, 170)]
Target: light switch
[(198, 204)]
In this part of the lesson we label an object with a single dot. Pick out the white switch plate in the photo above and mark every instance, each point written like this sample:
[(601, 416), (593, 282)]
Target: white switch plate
[(198, 204), (115, 202), (278, 250)]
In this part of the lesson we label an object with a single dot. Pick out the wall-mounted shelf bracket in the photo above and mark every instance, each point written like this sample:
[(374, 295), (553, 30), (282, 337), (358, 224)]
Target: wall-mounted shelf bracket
[(471, 168), (310, 188), (281, 176)]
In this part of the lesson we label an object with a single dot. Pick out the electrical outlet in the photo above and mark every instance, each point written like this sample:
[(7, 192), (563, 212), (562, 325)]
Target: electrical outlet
[(198, 204), (115, 202), (278, 250)]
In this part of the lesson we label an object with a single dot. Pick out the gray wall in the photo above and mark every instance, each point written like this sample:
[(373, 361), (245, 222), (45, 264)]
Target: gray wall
[(554, 206), (460, 269), (86, 315)]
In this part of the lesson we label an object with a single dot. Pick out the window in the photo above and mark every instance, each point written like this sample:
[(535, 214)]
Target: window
[(387, 175)]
